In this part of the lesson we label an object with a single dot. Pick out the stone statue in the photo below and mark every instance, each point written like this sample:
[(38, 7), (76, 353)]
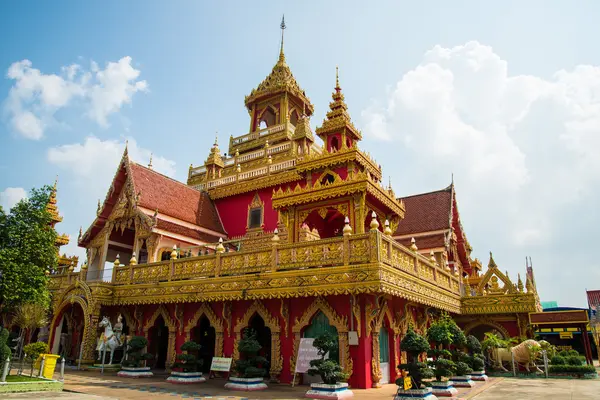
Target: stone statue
[(118, 329)]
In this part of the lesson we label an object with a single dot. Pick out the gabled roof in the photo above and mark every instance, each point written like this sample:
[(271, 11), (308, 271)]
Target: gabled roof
[(426, 212), (157, 192), (593, 298)]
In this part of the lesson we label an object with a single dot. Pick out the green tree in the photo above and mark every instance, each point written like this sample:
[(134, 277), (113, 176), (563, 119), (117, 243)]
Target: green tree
[(414, 345), (250, 364), (27, 251)]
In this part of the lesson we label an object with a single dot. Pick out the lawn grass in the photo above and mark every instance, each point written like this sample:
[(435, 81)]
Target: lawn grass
[(21, 378)]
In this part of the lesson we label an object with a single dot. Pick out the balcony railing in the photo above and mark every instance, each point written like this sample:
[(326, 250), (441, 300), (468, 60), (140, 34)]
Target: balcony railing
[(371, 248)]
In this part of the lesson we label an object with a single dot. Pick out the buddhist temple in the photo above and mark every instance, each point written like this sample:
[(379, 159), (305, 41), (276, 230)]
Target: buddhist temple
[(290, 232)]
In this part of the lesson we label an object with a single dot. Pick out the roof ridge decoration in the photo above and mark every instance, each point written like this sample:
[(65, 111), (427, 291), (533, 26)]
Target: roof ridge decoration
[(491, 277), (215, 155), (279, 80), (337, 117)]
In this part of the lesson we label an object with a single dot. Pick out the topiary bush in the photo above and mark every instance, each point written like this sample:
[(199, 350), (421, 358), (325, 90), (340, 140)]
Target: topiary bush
[(33, 350), (443, 368), (477, 363), (575, 360), (414, 345), (329, 370), (463, 369), (558, 360), (187, 361), (250, 364), (473, 345), (4, 349), (572, 352), (578, 370), (135, 357)]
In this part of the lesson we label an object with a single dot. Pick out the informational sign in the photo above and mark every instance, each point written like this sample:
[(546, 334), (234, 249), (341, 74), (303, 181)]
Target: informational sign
[(220, 364), (306, 353), (407, 383)]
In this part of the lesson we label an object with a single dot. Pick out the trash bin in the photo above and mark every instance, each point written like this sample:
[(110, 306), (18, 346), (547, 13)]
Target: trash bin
[(49, 364)]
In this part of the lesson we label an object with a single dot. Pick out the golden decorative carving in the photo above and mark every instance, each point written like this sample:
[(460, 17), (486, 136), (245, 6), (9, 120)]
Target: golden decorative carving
[(273, 324), (285, 315), (215, 322), (486, 321), (356, 314)]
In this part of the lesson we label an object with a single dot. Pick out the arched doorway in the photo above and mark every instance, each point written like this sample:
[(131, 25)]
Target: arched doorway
[(384, 353), (479, 331), (319, 324), (204, 334), (68, 332), (158, 342), (263, 335)]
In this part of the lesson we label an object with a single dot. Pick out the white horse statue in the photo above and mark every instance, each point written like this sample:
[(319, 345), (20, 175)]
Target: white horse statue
[(108, 341)]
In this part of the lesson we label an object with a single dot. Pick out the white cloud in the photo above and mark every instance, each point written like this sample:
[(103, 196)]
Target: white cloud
[(11, 196), (523, 148), (93, 163), (35, 97)]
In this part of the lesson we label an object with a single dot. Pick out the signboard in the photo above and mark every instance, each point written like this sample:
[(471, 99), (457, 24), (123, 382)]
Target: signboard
[(559, 317), (306, 353), (407, 383), (566, 335), (220, 364)]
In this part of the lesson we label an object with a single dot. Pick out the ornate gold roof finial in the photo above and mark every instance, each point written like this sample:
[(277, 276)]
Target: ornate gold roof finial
[(337, 78), (492, 263), (99, 209), (520, 284), (80, 233), (413, 244), (150, 163), (282, 26)]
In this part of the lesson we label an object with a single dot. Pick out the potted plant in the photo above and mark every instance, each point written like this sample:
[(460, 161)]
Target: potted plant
[(134, 366), (441, 336), (410, 384), (330, 371), (459, 344), (475, 359), (251, 367), (186, 368)]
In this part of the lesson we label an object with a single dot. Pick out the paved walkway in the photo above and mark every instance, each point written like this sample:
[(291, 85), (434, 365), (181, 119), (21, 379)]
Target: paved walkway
[(90, 385)]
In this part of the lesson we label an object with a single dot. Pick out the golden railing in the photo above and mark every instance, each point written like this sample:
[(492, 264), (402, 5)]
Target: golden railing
[(355, 251)]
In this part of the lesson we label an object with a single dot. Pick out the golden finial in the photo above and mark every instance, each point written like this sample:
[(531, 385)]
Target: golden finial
[(220, 248), (150, 163), (337, 78), (216, 139), (238, 168), (275, 237), (520, 284), (387, 230), (99, 209), (374, 223), (80, 233), (174, 252), (133, 260), (347, 228), (55, 182), (413, 245), (282, 26), (432, 257), (117, 263)]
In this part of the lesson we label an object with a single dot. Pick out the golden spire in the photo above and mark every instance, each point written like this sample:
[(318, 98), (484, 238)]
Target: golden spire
[(150, 163), (281, 55), (51, 207), (338, 116)]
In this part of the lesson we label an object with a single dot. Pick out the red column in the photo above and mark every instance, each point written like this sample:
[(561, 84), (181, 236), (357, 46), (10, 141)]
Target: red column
[(586, 344)]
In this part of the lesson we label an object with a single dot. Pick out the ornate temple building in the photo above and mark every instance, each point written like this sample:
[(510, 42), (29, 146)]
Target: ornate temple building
[(289, 235)]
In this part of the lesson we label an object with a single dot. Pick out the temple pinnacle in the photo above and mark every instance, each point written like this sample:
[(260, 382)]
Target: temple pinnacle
[(150, 163), (337, 78), (282, 26)]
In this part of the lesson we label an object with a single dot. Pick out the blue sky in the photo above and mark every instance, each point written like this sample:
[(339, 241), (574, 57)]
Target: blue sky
[(463, 87)]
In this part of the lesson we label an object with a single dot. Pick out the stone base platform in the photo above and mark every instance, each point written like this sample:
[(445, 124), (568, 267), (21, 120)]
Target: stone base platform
[(246, 384), (183, 378), (462, 381), (415, 394), (443, 389), (130, 372), (326, 392), (479, 376)]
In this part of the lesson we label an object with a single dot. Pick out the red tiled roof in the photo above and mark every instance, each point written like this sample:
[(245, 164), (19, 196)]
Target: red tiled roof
[(426, 212), (593, 297), (174, 198), (425, 242), (185, 231)]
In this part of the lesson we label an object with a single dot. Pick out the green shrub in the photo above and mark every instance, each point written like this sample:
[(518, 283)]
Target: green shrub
[(188, 362), (33, 350), (463, 369), (4, 349), (135, 356), (558, 360), (575, 360), (572, 352), (443, 368), (477, 364), (329, 370), (473, 344), (250, 364), (414, 345), (573, 369)]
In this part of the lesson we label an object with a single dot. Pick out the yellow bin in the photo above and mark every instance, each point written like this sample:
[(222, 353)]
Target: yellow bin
[(49, 364)]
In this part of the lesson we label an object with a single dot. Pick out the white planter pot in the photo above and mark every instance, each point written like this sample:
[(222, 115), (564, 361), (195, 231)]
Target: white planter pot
[(326, 391), (185, 377), (130, 372), (462, 381), (479, 376), (413, 394), (443, 389), (246, 384)]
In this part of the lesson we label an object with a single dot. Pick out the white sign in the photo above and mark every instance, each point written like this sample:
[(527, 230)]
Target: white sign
[(306, 353), (220, 364)]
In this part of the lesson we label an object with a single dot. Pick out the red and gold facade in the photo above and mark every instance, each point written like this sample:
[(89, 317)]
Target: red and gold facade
[(281, 231)]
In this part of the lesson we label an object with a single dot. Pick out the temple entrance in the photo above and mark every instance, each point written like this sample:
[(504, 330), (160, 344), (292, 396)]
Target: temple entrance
[(384, 355), (68, 333), (158, 338), (263, 335), (323, 223), (480, 330), (204, 334), (319, 325)]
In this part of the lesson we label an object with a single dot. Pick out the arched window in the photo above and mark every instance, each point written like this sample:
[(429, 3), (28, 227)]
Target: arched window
[(255, 213), (294, 117), (334, 144), (268, 117)]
